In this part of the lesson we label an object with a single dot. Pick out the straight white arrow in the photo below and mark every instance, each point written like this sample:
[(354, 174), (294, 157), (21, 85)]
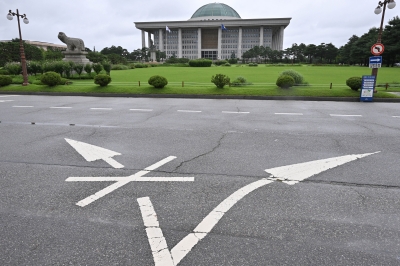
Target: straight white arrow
[(290, 174), (92, 153)]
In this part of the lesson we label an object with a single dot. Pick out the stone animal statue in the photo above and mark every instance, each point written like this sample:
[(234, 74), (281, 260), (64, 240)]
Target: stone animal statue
[(72, 43)]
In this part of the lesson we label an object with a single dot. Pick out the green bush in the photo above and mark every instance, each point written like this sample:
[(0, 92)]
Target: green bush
[(232, 61), (200, 63), (107, 67), (102, 80), (51, 78), (78, 69), (34, 67), (4, 72), (285, 81), (253, 64), (220, 62), (220, 80), (13, 68), (5, 80), (140, 65), (298, 78), (97, 67), (226, 64), (354, 83), (158, 81), (175, 60), (88, 68), (240, 81), (119, 67)]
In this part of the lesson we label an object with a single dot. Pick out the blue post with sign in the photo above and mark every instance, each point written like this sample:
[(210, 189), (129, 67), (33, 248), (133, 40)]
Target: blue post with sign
[(367, 89)]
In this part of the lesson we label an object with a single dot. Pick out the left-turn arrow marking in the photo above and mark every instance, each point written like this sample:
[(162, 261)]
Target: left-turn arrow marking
[(93, 153)]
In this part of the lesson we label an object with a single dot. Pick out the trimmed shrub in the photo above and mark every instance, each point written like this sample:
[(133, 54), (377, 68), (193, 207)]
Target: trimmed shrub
[(220, 62), (285, 81), (140, 65), (226, 64), (34, 67), (51, 78), (102, 80), (88, 68), (298, 78), (97, 67), (253, 64), (158, 81), (5, 80), (354, 83), (107, 67), (175, 60), (78, 69), (200, 63), (220, 80)]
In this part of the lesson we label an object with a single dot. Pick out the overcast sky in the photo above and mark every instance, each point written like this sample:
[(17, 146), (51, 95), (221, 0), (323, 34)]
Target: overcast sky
[(104, 23)]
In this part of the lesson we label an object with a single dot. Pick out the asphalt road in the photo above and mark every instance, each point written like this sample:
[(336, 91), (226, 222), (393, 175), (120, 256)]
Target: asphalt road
[(345, 215)]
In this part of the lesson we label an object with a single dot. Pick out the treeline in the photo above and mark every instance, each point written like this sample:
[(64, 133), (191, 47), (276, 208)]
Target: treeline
[(356, 51)]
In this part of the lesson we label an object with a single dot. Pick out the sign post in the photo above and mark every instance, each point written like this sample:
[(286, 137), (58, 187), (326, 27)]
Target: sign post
[(375, 62), (367, 89)]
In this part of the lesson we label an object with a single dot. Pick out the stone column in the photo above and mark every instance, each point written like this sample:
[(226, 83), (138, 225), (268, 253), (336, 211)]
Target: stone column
[(143, 40), (199, 43), (261, 36), (161, 40), (148, 39), (219, 43), (239, 51), (274, 40), (281, 38), (179, 43)]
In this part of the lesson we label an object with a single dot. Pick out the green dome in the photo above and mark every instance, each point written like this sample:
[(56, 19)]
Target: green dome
[(217, 10)]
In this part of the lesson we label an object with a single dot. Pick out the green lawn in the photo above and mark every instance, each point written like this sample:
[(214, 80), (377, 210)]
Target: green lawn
[(198, 81)]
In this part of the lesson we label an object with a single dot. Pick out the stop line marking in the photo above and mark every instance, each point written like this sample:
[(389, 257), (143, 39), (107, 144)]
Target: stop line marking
[(290, 174)]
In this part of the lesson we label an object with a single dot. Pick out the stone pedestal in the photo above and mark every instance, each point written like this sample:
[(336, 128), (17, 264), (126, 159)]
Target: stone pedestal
[(78, 57)]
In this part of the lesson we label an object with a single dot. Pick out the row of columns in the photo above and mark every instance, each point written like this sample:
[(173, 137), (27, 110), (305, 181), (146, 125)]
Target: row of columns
[(277, 40)]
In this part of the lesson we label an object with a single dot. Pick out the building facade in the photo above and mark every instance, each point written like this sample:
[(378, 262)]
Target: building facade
[(215, 31)]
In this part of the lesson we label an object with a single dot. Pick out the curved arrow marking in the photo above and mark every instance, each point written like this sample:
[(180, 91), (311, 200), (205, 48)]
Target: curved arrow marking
[(290, 174)]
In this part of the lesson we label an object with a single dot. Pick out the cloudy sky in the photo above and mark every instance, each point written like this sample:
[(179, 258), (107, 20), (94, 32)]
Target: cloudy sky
[(104, 23)]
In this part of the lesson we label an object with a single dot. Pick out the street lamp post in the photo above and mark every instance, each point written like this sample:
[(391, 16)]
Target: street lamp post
[(390, 4), (21, 45)]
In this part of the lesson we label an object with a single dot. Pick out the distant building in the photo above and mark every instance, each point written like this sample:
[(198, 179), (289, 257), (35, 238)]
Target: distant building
[(43, 45), (215, 31)]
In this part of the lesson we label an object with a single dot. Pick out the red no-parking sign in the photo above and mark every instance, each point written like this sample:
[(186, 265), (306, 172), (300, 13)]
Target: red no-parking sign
[(377, 49)]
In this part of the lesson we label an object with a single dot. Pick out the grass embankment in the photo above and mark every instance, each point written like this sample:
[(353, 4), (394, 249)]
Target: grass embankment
[(197, 81)]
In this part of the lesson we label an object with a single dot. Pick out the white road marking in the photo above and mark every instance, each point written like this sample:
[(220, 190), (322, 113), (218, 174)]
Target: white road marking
[(141, 110), (121, 181), (286, 174), (3, 96), (22, 106), (99, 108), (189, 111), (229, 112), (288, 113), (4, 101), (396, 116), (93, 153), (158, 244), (345, 115), (60, 107)]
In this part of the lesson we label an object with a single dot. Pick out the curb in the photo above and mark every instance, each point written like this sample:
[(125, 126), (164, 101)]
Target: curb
[(200, 96)]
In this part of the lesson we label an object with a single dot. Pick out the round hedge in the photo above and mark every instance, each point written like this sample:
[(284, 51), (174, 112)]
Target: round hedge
[(5, 80), (158, 81), (51, 78), (298, 78), (102, 80), (354, 83), (285, 81)]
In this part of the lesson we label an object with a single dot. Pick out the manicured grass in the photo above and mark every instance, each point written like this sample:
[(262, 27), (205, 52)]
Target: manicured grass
[(197, 81)]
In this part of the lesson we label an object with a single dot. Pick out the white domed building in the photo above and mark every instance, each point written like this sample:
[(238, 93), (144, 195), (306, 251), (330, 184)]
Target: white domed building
[(215, 31)]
